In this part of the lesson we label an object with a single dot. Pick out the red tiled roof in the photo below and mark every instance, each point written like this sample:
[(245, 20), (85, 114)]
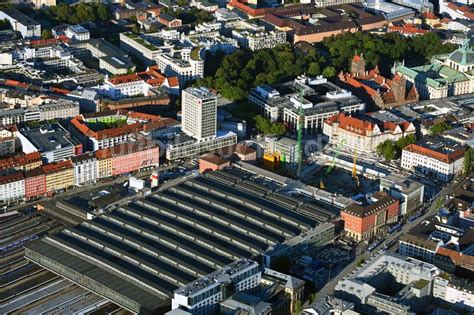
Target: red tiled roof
[(214, 159), (173, 82), (10, 178), (125, 79), (429, 15), (21, 160), (466, 11), (445, 158), (407, 29), (56, 167)]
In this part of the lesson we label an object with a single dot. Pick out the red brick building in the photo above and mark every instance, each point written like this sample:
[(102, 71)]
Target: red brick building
[(212, 162), (35, 183), (169, 20), (376, 89), (362, 222)]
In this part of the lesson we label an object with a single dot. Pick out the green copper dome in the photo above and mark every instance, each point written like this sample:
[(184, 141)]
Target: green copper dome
[(464, 55)]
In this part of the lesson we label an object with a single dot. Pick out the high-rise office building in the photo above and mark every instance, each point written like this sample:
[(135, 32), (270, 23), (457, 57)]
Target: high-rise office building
[(199, 113)]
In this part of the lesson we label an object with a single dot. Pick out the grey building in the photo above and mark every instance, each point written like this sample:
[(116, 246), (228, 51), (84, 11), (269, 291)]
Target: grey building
[(316, 98), (409, 192), (52, 141), (28, 27), (139, 253)]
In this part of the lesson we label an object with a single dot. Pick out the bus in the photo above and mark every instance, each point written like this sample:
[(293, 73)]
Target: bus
[(397, 227)]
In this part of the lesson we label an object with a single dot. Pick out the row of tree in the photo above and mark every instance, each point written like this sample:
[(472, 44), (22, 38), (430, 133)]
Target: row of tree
[(83, 12), (242, 70), (391, 150)]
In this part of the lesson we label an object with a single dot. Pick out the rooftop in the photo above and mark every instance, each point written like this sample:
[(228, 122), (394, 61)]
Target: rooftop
[(143, 251), (48, 137), (442, 149)]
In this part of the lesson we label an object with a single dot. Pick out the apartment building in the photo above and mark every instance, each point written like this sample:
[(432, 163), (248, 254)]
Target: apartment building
[(59, 176), (255, 37), (35, 183), (126, 158), (12, 187), (85, 168), (439, 158), (363, 221), (22, 162), (104, 163)]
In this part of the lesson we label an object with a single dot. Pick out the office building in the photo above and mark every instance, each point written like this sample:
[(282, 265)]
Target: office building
[(410, 193), (318, 98), (77, 32), (28, 27), (52, 141), (199, 113), (389, 283), (59, 176), (439, 158)]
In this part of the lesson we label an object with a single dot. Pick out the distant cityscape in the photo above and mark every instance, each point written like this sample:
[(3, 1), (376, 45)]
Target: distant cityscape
[(241, 157)]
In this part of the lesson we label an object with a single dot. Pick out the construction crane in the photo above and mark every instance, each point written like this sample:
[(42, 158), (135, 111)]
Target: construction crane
[(299, 148), (338, 151), (333, 162), (354, 165)]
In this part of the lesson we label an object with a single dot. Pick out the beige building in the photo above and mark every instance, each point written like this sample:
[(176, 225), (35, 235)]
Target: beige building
[(363, 134), (59, 176)]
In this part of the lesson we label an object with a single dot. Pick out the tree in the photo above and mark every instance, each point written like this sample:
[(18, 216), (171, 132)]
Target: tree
[(468, 155), (5, 25), (46, 34), (440, 127), (329, 72), (103, 12), (404, 141), (183, 3), (387, 150), (439, 203), (266, 127)]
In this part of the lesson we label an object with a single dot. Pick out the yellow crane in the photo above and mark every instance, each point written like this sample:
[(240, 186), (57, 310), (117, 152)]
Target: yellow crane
[(354, 167)]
